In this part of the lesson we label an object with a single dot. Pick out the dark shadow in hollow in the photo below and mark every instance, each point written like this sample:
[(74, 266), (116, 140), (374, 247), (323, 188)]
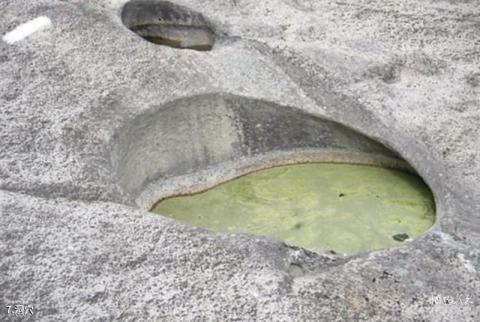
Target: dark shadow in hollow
[(168, 24)]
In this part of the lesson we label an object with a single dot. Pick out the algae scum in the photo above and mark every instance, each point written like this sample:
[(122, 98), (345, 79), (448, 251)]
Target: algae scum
[(321, 207)]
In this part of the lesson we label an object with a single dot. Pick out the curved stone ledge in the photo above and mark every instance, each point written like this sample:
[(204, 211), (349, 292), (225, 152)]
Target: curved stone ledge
[(211, 176), (217, 137)]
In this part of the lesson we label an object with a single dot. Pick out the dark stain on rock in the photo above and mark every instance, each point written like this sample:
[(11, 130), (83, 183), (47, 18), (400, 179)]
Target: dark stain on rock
[(389, 73), (473, 79)]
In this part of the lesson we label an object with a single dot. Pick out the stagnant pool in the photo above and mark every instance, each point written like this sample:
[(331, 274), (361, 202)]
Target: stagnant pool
[(319, 206)]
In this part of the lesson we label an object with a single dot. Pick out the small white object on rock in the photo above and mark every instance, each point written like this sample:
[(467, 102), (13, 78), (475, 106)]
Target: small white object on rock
[(26, 29)]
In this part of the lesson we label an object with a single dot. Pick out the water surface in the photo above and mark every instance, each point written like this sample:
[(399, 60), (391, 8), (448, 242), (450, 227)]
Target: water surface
[(321, 207)]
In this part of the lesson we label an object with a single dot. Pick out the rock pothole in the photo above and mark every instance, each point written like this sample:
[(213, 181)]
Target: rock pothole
[(201, 157), (168, 24)]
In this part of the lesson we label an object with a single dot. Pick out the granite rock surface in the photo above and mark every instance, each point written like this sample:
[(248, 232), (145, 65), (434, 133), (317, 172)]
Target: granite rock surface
[(75, 247)]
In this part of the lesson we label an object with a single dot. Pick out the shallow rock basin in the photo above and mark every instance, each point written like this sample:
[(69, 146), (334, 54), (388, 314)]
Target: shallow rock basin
[(319, 206), (166, 23)]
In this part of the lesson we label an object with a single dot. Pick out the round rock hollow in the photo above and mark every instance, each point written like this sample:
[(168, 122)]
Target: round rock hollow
[(191, 145), (165, 23)]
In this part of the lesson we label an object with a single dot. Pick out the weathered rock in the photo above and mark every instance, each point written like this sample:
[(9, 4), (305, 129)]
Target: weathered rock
[(73, 244)]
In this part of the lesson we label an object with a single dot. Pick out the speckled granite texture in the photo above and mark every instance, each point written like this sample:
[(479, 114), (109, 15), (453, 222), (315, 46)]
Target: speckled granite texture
[(74, 245)]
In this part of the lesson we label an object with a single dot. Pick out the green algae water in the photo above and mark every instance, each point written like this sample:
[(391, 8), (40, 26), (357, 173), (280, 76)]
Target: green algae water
[(321, 207)]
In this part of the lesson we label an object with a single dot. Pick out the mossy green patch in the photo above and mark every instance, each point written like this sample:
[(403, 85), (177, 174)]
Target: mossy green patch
[(340, 207)]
